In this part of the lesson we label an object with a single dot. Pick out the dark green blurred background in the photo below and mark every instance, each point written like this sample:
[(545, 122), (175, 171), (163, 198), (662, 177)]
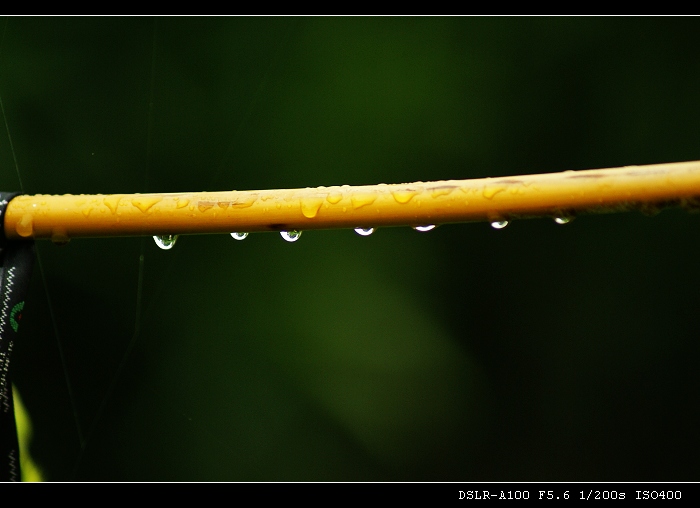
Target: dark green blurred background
[(540, 352)]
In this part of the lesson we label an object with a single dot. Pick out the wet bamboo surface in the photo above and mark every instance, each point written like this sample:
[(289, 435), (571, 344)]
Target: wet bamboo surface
[(559, 195)]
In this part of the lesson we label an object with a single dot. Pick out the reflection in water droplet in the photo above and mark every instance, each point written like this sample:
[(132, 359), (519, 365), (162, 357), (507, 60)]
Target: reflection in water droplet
[(424, 228), (364, 231), (239, 236), (165, 242), (563, 219), (499, 224), (290, 236)]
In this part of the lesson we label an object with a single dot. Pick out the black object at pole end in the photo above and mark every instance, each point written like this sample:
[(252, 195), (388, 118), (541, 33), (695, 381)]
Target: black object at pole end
[(16, 260), (5, 198)]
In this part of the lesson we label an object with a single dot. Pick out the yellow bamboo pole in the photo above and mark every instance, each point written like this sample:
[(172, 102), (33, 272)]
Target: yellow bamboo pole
[(646, 188)]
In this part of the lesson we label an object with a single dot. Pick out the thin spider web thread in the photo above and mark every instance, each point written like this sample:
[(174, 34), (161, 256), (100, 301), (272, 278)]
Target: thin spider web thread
[(251, 105), (139, 291), (4, 117), (115, 379), (85, 437), (69, 386), (174, 257)]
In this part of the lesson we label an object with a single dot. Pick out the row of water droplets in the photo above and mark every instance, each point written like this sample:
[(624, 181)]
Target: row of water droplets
[(309, 208), (166, 242)]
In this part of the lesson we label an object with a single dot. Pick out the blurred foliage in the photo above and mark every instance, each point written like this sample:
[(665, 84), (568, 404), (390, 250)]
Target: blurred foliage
[(29, 470), (539, 352)]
